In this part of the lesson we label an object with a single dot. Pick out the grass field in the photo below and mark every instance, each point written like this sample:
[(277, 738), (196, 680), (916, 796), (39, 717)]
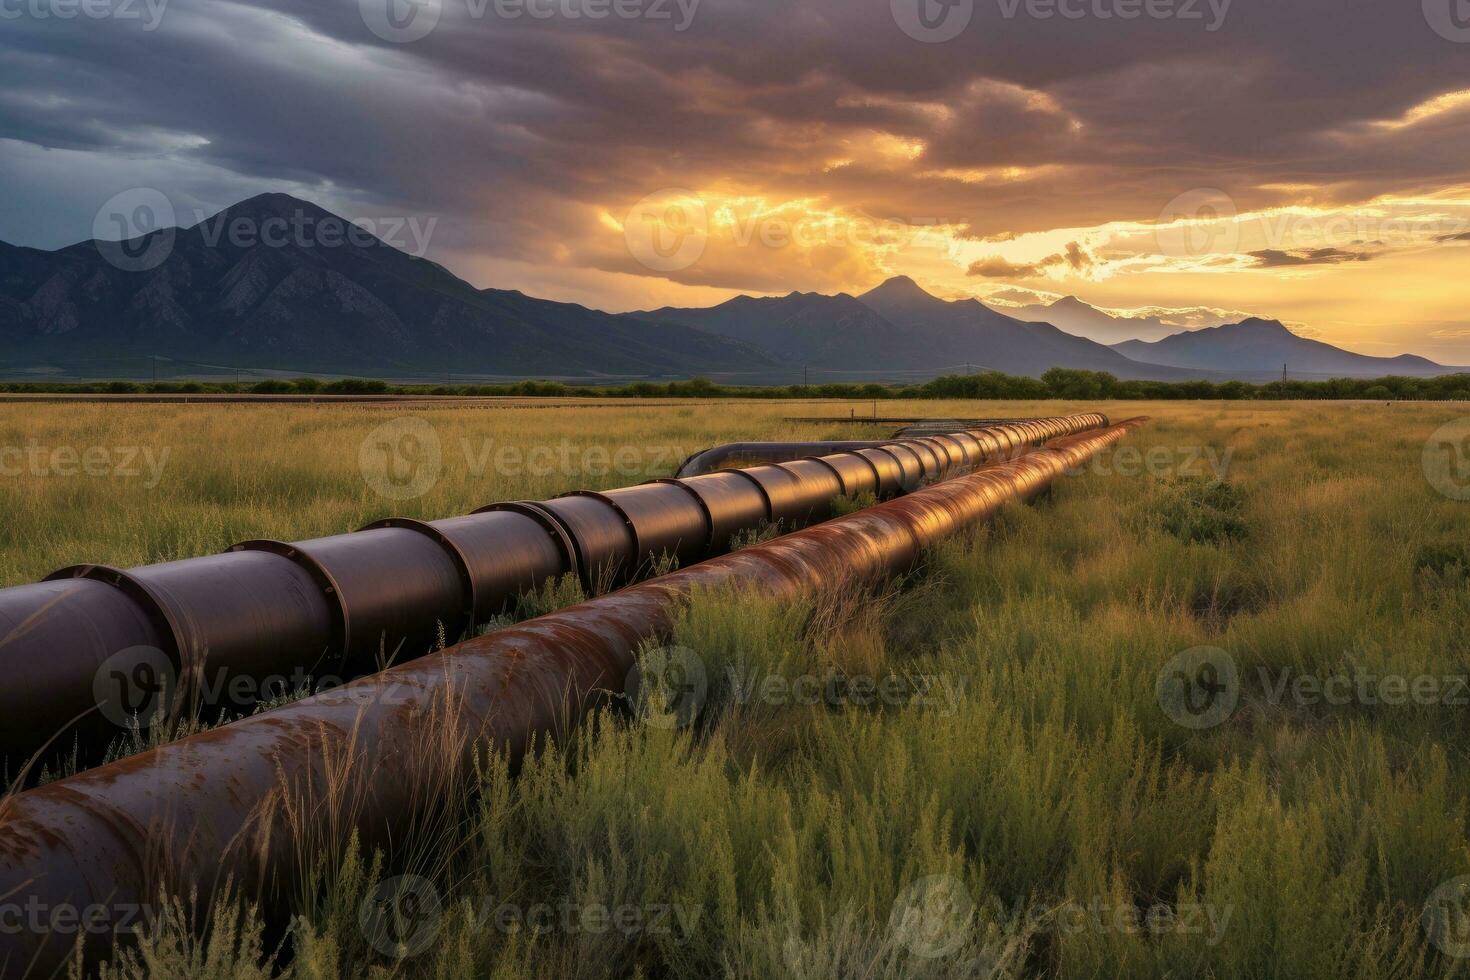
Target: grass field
[(1040, 790)]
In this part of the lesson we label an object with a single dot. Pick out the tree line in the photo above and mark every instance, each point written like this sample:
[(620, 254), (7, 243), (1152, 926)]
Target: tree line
[(1067, 383)]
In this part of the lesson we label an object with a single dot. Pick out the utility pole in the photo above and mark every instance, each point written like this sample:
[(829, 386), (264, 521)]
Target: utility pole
[(806, 376), (1283, 374), (153, 359)]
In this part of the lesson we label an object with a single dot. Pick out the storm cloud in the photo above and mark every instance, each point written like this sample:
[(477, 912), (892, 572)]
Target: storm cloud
[(1275, 258), (531, 128)]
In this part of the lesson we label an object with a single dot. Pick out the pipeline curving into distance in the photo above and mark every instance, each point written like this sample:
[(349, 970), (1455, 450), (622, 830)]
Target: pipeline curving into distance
[(198, 806), (91, 645), (744, 454)]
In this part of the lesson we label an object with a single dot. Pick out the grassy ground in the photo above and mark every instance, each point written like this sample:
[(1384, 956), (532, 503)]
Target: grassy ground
[(131, 484), (1201, 712)]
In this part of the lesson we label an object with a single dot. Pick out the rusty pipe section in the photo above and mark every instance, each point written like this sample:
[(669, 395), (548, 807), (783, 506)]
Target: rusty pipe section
[(232, 801), (93, 647), (742, 454)]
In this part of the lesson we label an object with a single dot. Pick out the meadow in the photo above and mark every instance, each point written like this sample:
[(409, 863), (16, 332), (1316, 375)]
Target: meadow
[(987, 769)]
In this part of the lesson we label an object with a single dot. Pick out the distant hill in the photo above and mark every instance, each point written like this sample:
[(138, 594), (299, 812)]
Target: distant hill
[(1076, 317), (335, 305), (899, 326), (352, 304), (806, 329), (1257, 347)]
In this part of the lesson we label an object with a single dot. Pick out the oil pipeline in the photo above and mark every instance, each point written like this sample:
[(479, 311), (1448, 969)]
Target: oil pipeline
[(92, 647), (745, 454), (232, 803)]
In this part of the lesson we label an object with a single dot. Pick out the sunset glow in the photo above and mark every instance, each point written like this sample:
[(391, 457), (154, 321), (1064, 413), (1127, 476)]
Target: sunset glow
[(1147, 165)]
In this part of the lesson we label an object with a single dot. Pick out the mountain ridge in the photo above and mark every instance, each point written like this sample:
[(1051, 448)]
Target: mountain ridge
[(902, 326), (349, 305), (1077, 316), (363, 305), (1257, 344)]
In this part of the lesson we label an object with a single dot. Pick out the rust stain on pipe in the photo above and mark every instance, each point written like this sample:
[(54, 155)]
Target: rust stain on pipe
[(211, 805)]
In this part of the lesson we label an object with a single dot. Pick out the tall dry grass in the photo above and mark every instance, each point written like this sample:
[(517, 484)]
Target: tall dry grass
[(1022, 805)]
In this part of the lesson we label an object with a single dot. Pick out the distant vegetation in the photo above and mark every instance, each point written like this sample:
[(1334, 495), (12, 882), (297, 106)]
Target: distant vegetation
[(1056, 383)]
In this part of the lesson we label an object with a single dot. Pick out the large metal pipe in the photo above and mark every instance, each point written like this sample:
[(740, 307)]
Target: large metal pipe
[(233, 802), (735, 454), (223, 630), (741, 454)]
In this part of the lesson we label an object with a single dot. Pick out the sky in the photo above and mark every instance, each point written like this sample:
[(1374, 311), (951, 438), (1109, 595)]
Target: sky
[(1307, 161)]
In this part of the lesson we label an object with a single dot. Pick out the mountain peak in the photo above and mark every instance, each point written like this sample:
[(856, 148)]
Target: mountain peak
[(273, 205), (1260, 346), (1259, 325), (899, 288), (1071, 303)]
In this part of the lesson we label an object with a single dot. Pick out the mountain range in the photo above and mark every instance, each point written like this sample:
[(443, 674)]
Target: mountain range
[(899, 327), (1074, 316), (355, 304), (1257, 345)]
